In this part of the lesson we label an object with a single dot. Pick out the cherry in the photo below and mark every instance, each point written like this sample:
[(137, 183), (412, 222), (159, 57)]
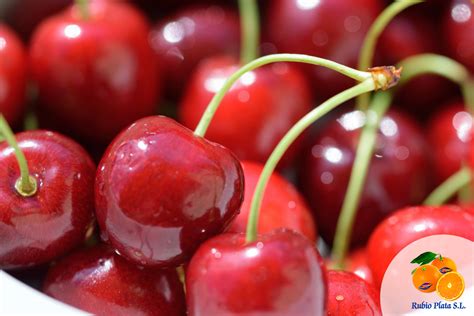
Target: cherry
[(255, 114), (409, 34), (356, 262), (281, 273), (95, 74), (283, 206), (410, 224), (449, 134), (191, 35), (39, 228), (161, 191), (13, 70), (459, 32), (332, 29), (348, 294), (399, 173), (100, 282)]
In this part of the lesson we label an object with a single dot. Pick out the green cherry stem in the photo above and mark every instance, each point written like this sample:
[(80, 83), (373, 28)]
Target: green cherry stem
[(381, 78), (265, 60), (250, 29), (368, 46), (26, 185), (412, 67), (449, 188), (365, 149), (83, 6)]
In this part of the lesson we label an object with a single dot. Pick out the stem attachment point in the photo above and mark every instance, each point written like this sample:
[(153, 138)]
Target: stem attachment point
[(29, 190), (385, 77)]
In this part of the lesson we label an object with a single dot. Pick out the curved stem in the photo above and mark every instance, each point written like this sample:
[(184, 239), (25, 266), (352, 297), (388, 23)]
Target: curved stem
[(26, 184), (250, 29), (83, 6), (364, 87), (368, 46), (413, 66), (379, 105), (467, 88), (216, 100), (449, 188)]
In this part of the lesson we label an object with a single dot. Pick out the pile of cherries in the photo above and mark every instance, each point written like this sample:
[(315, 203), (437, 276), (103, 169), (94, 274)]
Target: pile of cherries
[(131, 213)]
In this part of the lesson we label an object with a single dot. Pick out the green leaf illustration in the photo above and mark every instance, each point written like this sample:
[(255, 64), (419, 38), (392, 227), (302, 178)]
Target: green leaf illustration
[(424, 258)]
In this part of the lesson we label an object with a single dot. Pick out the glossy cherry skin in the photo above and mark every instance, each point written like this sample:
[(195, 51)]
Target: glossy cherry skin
[(331, 29), (459, 31), (13, 61), (101, 282), (407, 225), (281, 273), (37, 229), (191, 35), (282, 206), (356, 262), (449, 134), (348, 294), (255, 114), (161, 191), (94, 76), (399, 173), (410, 33)]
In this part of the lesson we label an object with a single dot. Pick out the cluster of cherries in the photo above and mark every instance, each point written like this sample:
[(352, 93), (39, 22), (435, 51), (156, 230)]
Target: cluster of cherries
[(165, 198)]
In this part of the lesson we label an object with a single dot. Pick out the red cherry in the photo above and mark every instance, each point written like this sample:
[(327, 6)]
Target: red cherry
[(161, 191), (331, 29), (256, 113), (459, 31), (12, 76), (96, 75), (37, 229), (348, 294), (281, 273), (449, 133), (191, 35), (412, 33), (399, 173), (408, 225), (356, 262), (101, 282), (282, 207)]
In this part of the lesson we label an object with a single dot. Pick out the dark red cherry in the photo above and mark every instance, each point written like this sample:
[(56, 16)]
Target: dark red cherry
[(348, 294), (100, 282), (191, 35), (331, 29), (356, 262), (459, 31), (449, 134), (95, 76), (161, 191), (410, 224), (256, 113), (399, 173), (37, 229), (282, 206), (13, 70), (410, 33), (281, 273)]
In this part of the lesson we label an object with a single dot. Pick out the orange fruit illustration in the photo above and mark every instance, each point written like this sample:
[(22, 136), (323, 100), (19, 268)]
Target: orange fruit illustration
[(444, 265), (425, 278), (450, 286)]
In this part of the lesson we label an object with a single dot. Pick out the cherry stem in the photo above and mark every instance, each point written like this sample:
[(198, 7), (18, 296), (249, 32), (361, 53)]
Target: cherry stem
[(368, 46), (26, 185), (365, 149), (449, 188), (380, 78), (250, 29), (83, 6), (265, 60), (412, 67)]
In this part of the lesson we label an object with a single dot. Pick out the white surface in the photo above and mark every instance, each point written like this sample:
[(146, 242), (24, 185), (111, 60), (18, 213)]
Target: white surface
[(18, 299)]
